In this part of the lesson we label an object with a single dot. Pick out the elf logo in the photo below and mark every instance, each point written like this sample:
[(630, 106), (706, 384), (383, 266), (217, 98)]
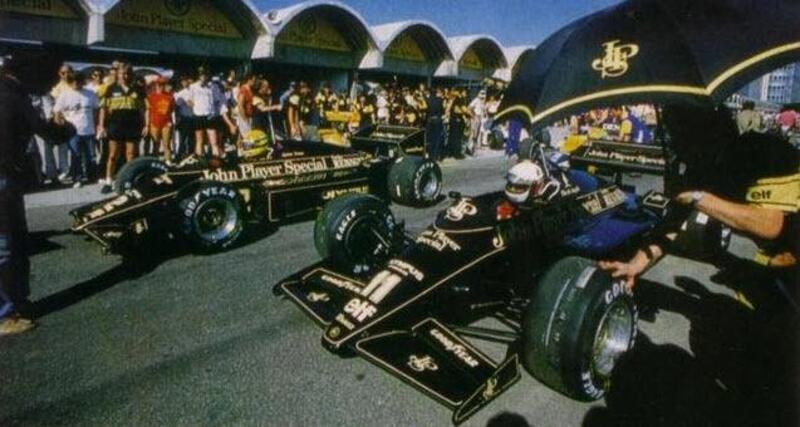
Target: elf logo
[(760, 195)]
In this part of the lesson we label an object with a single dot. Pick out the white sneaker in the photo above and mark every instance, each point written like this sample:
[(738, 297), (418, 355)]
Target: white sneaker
[(63, 177), (77, 185)]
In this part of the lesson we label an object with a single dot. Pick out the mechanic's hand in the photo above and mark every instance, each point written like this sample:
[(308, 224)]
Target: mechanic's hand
[(684, 198), (624, 270)]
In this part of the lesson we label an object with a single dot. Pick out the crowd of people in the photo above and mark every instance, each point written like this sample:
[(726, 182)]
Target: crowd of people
[(785, 122), (114, 115), (635, 123)]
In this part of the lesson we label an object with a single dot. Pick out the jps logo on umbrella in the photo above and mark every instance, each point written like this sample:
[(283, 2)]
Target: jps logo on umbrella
[(615, 61)]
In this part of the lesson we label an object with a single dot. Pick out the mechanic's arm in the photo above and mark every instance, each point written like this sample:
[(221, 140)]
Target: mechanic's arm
[(756, 221)]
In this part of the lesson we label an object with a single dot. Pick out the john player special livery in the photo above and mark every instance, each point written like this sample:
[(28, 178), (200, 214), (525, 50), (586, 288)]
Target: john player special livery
[(209, 202), (486, 271)]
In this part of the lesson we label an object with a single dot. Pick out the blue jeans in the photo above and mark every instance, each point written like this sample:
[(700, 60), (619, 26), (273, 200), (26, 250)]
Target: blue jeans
[(514, 131), (80, 148), (14, 263)]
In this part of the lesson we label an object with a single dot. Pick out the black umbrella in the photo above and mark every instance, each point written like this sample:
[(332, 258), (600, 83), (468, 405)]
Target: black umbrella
[(654, 51)]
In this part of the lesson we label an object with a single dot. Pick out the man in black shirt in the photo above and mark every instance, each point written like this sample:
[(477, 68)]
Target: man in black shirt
[(434, 131), (18, 123), (748, 182)]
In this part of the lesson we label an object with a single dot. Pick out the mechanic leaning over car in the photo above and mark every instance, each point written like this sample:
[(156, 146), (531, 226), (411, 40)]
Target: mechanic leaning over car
[(18, 123), (748, 182)]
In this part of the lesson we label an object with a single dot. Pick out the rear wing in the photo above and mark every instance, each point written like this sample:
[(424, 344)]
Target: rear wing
[(390, 141), (610, 157)]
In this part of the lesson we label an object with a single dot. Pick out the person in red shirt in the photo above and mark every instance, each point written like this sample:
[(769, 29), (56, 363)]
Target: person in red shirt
[(160, 105), (244, 104), (787, 120)]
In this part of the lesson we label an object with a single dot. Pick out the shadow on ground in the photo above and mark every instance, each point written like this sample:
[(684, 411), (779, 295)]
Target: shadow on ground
[(742, 368), (39, 242), (135, 263)]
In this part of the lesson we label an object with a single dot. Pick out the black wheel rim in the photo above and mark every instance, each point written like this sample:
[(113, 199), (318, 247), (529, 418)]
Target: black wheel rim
[(215, 220), (368, 241)]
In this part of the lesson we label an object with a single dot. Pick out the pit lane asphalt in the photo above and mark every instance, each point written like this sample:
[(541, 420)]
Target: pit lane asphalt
[(201, 340)]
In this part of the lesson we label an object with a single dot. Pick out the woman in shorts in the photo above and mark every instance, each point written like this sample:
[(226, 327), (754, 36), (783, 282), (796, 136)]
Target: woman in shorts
[(160, 105)]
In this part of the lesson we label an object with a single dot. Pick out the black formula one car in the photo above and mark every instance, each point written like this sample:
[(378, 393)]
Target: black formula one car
[(525, 277), (209, 202)]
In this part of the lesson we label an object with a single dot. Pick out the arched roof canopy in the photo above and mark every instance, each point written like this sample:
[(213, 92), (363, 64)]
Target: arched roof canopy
[(244, 14), (426, 35), (320, 25), (485, 47), (55, 21), (215, 28)]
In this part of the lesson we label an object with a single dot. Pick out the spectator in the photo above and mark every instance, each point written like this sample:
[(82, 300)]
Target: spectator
[(748, 119), (95, 80), (160, 106), (64, 72), (434, 130), (308, 120), (787, 120), (292, 112), (244, 104), (366, 111), (477, 109), (184, 116), (633, 129), (459, 115), (206, 100), (263, 107), (56, 169), (382, 105), (121, 119), (78, 106), (325, 101), (286, 94)]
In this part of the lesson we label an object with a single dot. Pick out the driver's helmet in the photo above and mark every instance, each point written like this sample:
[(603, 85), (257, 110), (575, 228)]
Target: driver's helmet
[(255, 144), (522, 180)]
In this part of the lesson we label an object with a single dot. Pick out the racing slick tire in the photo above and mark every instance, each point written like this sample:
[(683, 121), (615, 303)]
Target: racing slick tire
[(136, 170), (415, 181), (701, 238), (211, 216), (356, 231), (578, 323)]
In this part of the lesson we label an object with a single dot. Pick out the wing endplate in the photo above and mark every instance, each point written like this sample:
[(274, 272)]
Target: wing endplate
[(436, 361), (320, 292)]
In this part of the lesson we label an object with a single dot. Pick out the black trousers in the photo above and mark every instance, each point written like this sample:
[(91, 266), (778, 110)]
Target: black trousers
[(14, 263), (455, 139), (434, 137)]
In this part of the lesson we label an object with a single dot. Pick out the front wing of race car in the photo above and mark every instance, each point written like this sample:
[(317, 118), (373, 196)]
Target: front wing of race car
[(119, 219), (427, 355)]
